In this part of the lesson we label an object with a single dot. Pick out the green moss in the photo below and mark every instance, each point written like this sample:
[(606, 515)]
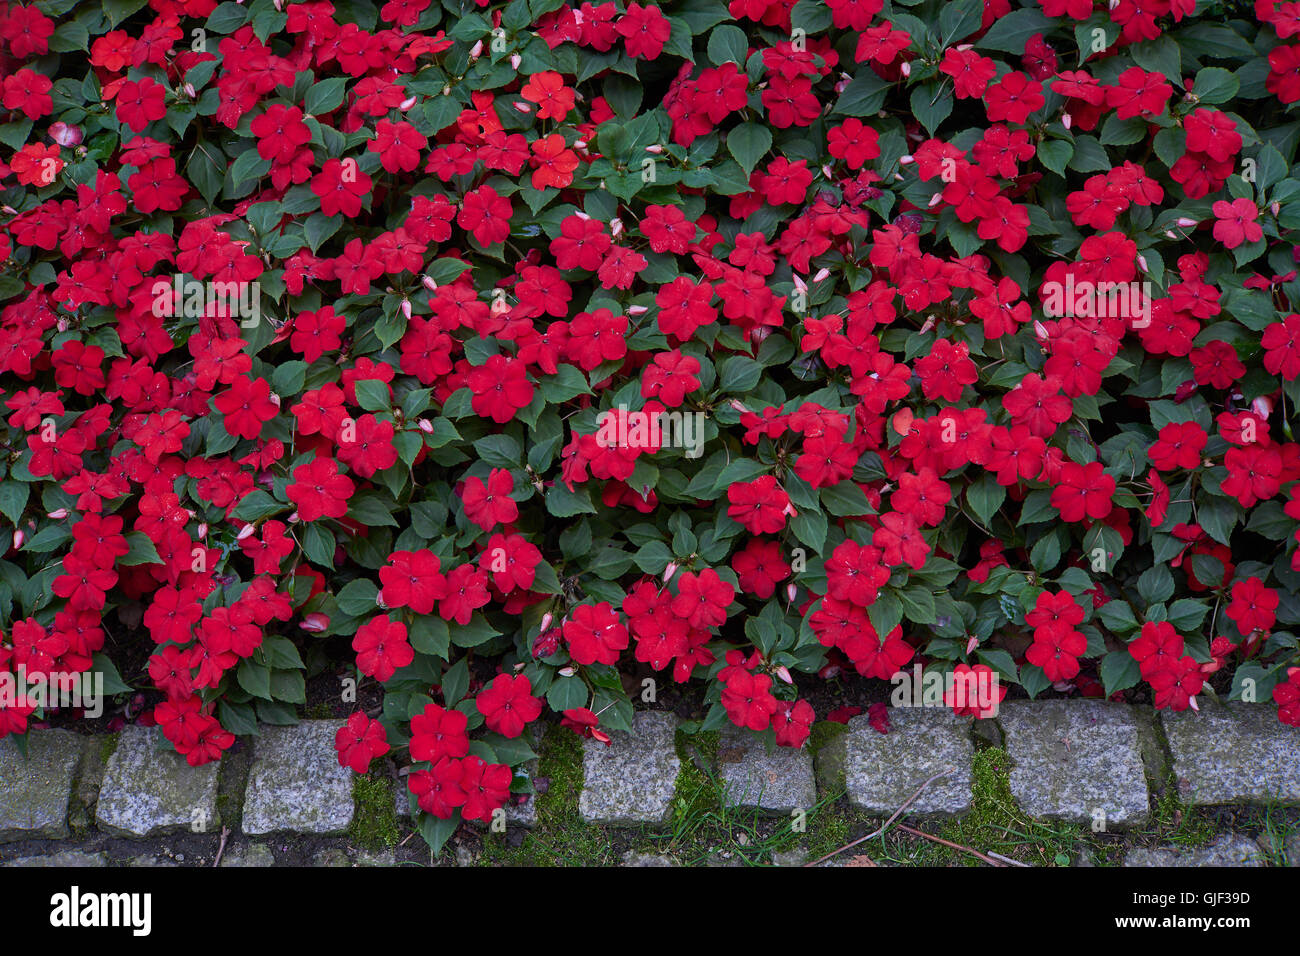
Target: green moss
[(107, 746), (320, 711), (560, 838), (374, 824), (825, 732)]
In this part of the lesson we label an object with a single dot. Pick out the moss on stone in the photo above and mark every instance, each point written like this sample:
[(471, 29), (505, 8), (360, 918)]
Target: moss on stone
[(374, 823)]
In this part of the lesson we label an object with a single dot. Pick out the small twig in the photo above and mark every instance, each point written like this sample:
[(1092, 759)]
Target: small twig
[(885, 826), (221, 847), (956, 846), (1006, 859)]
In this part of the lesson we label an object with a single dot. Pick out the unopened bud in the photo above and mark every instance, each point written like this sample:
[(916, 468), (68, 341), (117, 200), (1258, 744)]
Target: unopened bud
[(58, 514), (65, 134), (615, 227), (1185, 222), (476, 50), (428, 283), (19, 538), (1067, 120), (315, 622), (406, 309), (246, 531), (637, 309), (822, 275), (905, 69), (522, 107), (783, 672), (424, 425), (406, 104), (670, 571)]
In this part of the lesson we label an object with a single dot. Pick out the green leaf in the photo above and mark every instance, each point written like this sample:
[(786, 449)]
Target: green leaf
[(113, 683), (1010, 33), (372, 395), (325, 96), (1119, 671), (255, 678), (748, 142), (1215, 85), (142, 550), (727, 44)]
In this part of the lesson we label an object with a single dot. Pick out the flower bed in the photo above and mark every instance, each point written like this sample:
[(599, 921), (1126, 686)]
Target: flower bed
[(534, 355)]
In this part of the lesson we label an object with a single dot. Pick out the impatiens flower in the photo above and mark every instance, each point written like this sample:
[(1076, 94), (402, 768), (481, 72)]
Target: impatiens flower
[(501, 387), (1236, 222), (246, 406), (761, 505), (507, 705), (1083, 491), (382, 648), (359, 742), (748, 701), (490, 505), (319, 490), (594, 634), (437, 733)]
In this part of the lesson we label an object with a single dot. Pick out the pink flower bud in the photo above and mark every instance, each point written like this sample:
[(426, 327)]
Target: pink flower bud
[(1185, 222), (972, 643), (1142, 263), (1275, 208), (293, 518), (522, 107), (19, 538), (203, 530), (615, 227), (906, 160), (62, 324), (1262, 406), (637, 309), (315, 622), (275, 399), (425, 425), (905, 69), (58, 514), (428, 283), (190, 91), (783, 672), (738, 405), (547, 618), (800, 284), (936, 199), (406, 309), (822, 275), (476, 50), (579, 144), (791, 590), (670, 571), (515, 60), (656, 149), (65, 134), (245, 532), (406, 104), (1067, 120), (566, 672), (1191, 702)]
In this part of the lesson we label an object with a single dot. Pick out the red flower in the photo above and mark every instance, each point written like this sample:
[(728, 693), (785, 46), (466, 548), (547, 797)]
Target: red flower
[(490, 505), (644, 30), (140, 103), (748, 701), (594, 634), (760, 505), (412, 579), (486, 786), (1287, 697), (437, 734), (501, 388), (246, 406), (382, 648), (1083, 491), (1237, 222), (340, 184), (319, 490), (553, 98), (359, 742), (507, 704)]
